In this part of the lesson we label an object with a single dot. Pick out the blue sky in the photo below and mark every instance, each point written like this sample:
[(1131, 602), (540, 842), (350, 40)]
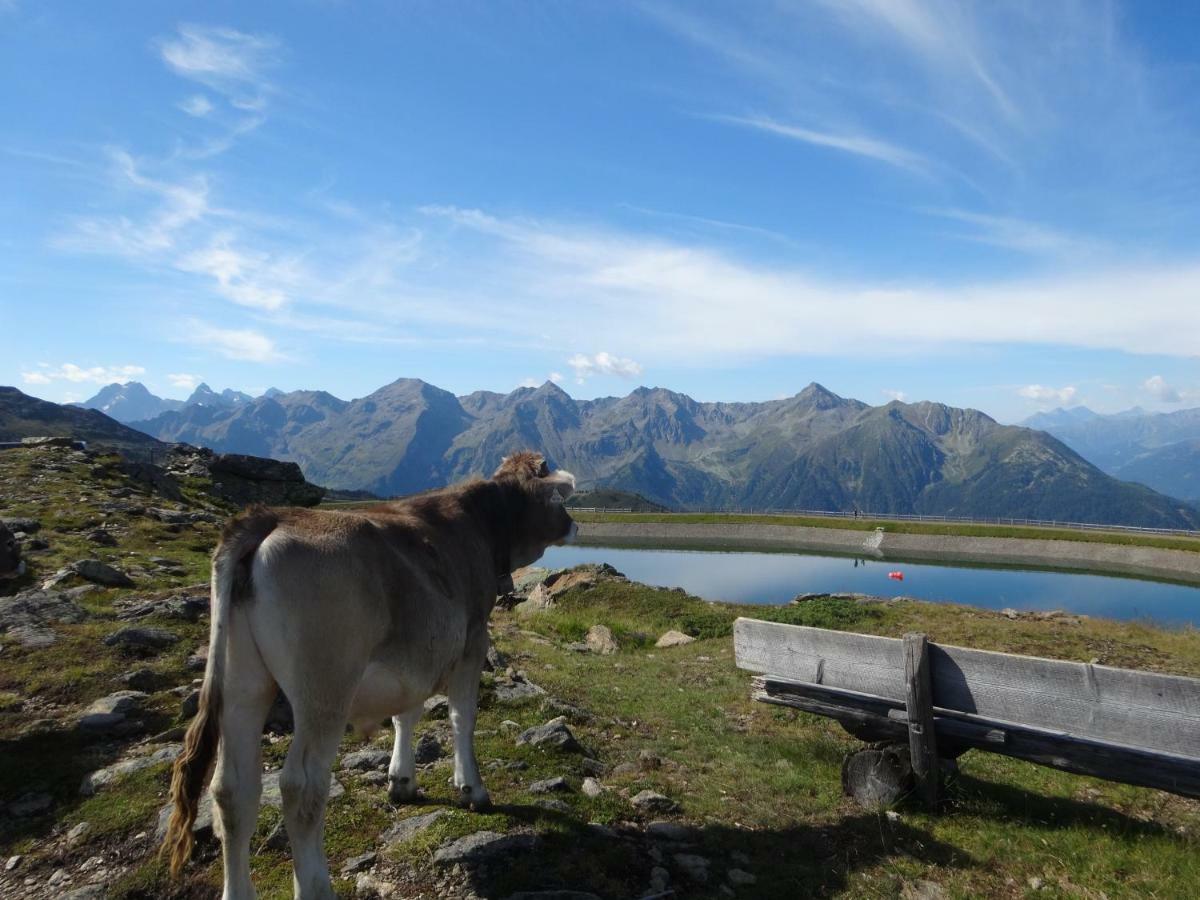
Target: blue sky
[(993, 205)]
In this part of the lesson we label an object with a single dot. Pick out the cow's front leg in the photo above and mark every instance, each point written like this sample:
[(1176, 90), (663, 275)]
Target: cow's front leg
[(402, 772), (463, 695)]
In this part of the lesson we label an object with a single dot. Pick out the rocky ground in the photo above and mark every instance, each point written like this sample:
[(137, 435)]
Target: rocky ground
[(618, 742)]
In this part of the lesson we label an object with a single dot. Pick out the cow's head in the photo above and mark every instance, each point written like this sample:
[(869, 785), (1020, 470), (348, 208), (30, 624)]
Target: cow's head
[(10, 553), (544, 519)]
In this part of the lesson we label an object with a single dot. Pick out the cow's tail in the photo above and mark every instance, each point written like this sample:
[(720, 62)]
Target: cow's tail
[(230, 583)]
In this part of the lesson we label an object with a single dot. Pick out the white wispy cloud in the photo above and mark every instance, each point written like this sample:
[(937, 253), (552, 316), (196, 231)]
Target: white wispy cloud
[(183, 380), (602, 363), (895, 395), (937, 34), (1040, 393), (1156, 386), (1019, 234), (45, 374), (248, 279), (146, 231), (232, 343), (196, 105), (661, 299), (225, 60), (854, 144)]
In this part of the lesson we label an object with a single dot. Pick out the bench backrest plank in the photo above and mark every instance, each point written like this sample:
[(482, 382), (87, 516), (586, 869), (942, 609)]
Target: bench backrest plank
[(1121, 706)]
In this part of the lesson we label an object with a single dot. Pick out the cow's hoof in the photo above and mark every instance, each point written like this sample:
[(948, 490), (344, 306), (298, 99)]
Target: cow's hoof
[(403, 790), (476, 799)]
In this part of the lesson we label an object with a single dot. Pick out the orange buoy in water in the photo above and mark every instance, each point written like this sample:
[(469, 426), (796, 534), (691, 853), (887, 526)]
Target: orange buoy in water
[(899, 576)]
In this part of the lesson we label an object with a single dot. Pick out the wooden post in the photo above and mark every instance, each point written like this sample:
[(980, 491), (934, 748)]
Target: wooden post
[(922, 739)]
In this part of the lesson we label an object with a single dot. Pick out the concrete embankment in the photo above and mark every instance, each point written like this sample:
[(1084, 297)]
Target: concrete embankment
[(1117, 559)]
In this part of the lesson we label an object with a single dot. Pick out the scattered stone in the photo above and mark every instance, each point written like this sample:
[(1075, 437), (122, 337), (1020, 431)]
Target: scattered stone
[(186, 607), (496, 661), (482, 846), (356, 864), (90, 892), (437, 706), (427, 749), (516, 689), (78, 834), (600, 640), (674, 639), (31, 804), (556, 806), (625, 768), (278, 838), (93, 781), (592, 788), (659, 879), (101, 573), (374, 778), (13, 862), (652, 801), (557, 784), (508, 726), (562, 708), (168, 516), (553, 735), (33, 636), (407, 828), (648, 760), (740, 878), (592, 766), (539, 600), (141, 640), (366, 760), (1010, 613), (920, 890), (190, 704), (694, 868), (368, 887), (141, 680), (102, 537), (21, 523), (111, 712), (669, 831)]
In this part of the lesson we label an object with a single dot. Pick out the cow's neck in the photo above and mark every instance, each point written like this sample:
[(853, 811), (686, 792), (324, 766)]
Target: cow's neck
[(497, 507)]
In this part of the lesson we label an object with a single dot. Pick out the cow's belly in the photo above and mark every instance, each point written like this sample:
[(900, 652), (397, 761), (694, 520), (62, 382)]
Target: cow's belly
[(385, 691)]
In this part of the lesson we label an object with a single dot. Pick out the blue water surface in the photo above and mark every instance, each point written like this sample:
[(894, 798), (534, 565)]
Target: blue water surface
[(774, 578)]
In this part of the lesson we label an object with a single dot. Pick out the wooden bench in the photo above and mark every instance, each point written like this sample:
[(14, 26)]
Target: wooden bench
[(935, 702)]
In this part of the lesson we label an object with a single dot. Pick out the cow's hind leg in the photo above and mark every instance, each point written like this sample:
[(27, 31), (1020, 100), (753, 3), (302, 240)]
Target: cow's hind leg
[(463, 695), (247, 692), (402, 772), (304, 786)]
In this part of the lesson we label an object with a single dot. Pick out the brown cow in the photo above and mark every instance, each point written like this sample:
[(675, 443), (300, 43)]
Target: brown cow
[(355, 616)]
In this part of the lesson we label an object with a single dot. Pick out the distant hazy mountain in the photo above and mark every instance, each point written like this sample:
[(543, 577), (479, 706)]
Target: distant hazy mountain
[(129, 402), (23, 416), (133, 402), (203, 395), (1161, 450), (814, 450), (1060, 418)]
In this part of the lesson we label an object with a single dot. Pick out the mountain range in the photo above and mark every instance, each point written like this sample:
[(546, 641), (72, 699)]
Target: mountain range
[(133, 402), (1161, 450), (814, 450), (22, 416)]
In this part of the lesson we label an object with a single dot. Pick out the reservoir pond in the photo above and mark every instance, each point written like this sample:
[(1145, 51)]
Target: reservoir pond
[(777, 577)]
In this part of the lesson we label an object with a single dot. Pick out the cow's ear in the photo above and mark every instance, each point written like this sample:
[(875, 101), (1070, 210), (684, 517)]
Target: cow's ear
[(560, 485)]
